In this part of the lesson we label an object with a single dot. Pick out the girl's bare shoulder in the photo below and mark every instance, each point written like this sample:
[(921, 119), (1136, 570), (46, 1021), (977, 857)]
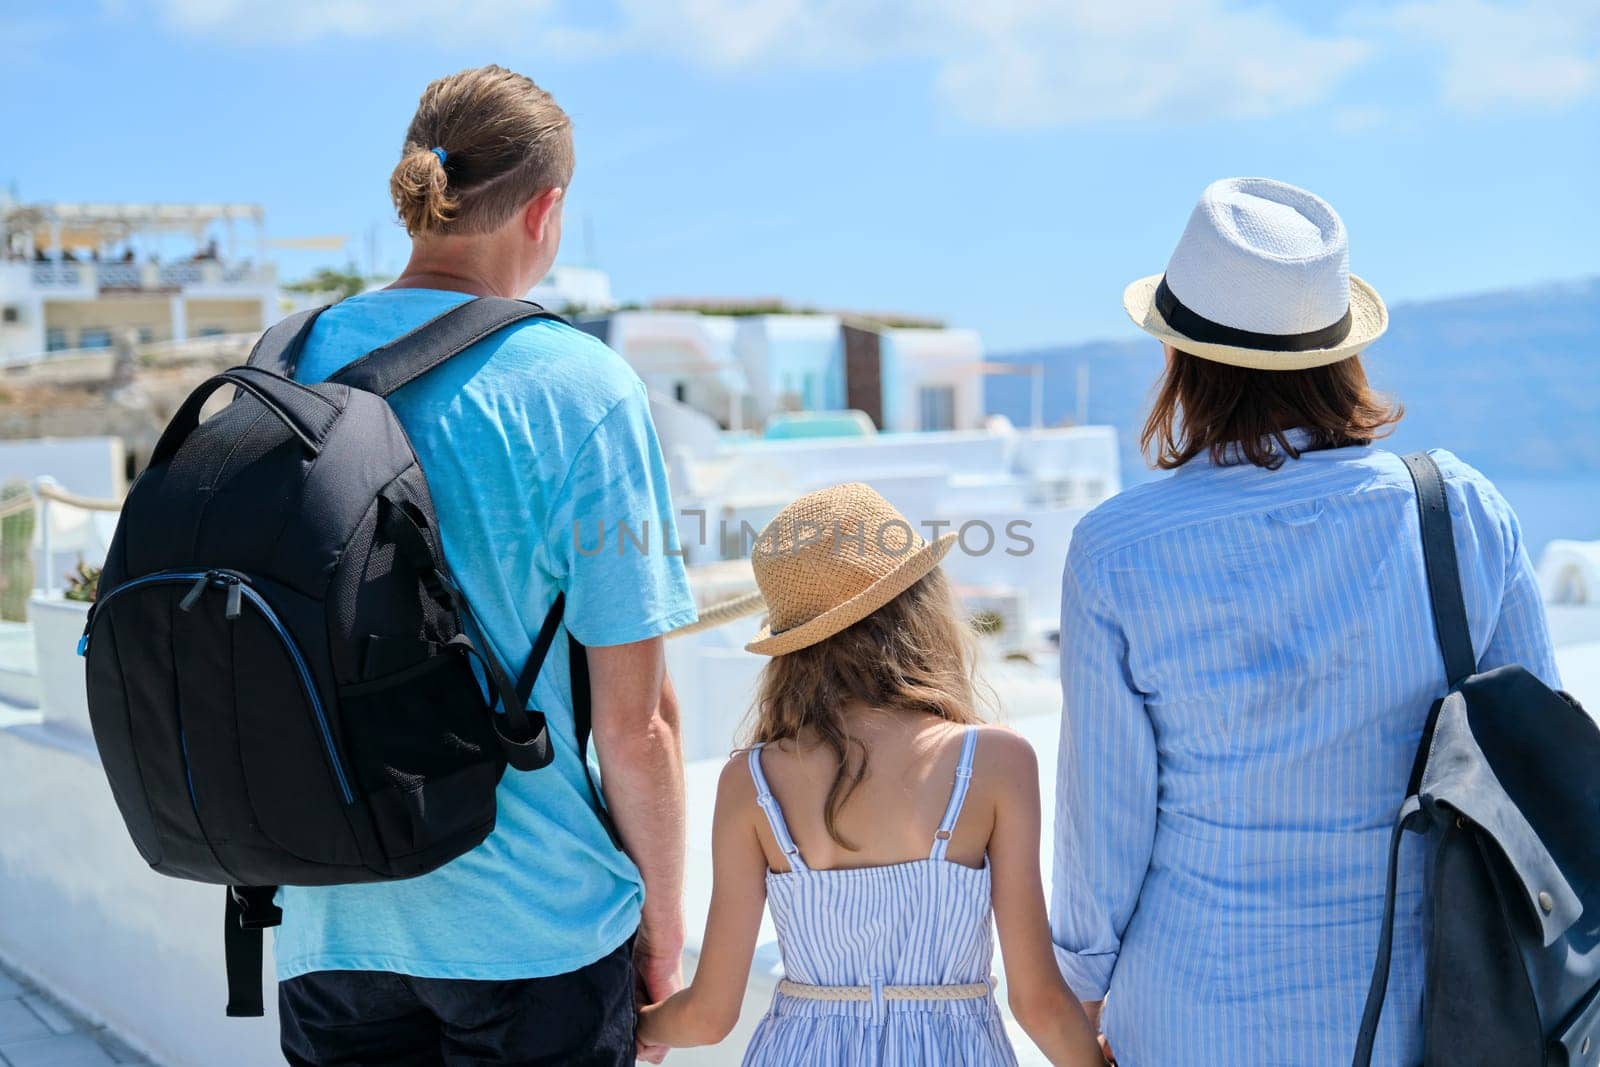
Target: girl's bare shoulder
[(1004, 757), (736, 783)]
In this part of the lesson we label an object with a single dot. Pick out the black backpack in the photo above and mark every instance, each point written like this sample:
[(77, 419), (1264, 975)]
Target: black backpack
[(279, 663), (1505, 790)]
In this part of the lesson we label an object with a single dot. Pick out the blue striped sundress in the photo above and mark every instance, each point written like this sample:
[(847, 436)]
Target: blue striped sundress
[(922, 923)]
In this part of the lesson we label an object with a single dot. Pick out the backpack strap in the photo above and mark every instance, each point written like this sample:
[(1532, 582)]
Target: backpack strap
[(250, 910), (1454, 636), (1410, 815), (582, 720), (409, 357), (1444, 577), (524, 734), (278, 350)]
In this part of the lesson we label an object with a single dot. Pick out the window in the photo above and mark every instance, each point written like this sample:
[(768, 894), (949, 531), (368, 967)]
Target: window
[(12, 313), (146, 335), (680, 392), (94, 337), (55, 339), (937, 404), (211, 331)]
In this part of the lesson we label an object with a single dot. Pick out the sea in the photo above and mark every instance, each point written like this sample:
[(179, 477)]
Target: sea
[(1556, 508)]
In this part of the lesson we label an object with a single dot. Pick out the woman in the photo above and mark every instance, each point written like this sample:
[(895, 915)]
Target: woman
[(1247, 660)]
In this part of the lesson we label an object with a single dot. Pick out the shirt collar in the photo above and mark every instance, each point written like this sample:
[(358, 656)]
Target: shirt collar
[(1299, 439)]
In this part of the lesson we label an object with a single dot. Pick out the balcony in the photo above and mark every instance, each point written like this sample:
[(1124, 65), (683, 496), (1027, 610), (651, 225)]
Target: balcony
[(78, 278)]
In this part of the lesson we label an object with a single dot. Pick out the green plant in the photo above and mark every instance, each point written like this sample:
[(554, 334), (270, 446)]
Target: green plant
[(16, 552), (988, 623), (83, 583), (346, 283)]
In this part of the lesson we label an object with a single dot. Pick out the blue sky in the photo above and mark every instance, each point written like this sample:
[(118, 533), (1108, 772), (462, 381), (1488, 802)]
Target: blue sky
[(1006, 165)]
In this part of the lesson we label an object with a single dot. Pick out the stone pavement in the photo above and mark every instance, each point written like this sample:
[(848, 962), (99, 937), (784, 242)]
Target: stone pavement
[(36, 1031)]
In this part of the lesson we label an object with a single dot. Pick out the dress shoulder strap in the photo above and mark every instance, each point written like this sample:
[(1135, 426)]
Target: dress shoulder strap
[(958, 794), (769, 805)]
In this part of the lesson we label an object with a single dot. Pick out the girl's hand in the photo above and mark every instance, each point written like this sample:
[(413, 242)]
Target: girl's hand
[(707, 1010), (650, 1048), (657, 978), (1038, 995)]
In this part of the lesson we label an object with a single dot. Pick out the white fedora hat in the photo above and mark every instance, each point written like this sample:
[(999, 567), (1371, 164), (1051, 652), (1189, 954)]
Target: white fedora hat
[(1261, 279)]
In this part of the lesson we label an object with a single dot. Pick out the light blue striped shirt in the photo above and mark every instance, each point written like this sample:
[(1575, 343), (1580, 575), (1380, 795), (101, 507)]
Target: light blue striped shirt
[(1247, 658)]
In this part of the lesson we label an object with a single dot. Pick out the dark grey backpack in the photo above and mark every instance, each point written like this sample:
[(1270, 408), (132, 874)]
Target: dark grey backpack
[(279, 666), (1506, 791)]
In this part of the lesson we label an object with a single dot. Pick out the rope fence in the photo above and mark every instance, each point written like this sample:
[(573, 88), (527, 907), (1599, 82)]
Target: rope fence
[(46, 492), (723, 612)]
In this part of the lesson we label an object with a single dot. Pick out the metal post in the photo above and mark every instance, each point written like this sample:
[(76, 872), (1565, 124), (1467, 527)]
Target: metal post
[(1038, 396), (46, 544)]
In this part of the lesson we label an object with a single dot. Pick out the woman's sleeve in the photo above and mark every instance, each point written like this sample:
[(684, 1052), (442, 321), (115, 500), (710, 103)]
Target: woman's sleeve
[(1105, 788), (1522, 632)]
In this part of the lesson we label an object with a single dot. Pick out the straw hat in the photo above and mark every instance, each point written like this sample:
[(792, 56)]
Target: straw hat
[(1261, 279), (832, 558)]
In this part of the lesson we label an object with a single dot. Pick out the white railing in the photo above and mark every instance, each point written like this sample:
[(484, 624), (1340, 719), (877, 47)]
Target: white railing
[(57, 275), (49, 492), (229, 345), (120, 275)]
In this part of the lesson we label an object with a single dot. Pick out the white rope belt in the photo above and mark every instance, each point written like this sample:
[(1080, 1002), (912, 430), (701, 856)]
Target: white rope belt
[(970, 991)]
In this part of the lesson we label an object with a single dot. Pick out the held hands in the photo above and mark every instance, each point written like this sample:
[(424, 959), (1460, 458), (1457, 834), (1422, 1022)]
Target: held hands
[(658, 972)]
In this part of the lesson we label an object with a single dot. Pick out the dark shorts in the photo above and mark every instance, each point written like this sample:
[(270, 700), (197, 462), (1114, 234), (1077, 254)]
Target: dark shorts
[(370, 1018)]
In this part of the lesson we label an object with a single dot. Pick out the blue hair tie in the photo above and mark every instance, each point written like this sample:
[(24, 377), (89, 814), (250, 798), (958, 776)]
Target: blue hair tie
[(441, 153)]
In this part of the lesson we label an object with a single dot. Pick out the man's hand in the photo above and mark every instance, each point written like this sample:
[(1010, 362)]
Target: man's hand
[(641, 769), (658, 972)]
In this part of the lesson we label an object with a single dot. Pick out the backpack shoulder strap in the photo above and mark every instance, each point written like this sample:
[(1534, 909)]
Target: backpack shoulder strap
[(278, 350), (1444, 576), (407, 358), (1410, 817)]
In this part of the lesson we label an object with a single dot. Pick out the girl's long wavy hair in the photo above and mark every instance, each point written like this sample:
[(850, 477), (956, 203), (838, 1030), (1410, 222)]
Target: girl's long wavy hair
[(914, 654)]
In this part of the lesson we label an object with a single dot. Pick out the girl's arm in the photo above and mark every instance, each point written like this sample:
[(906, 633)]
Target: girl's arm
[(1036, 992), (708, 1009)]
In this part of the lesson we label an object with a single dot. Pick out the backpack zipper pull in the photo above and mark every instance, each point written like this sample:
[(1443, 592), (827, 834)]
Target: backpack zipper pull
[(234, 599), (192, 597)]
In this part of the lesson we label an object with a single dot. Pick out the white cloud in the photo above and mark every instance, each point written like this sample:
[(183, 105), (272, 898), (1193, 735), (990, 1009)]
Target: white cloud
[(251, 21), (1532, 53), (1008, 63)]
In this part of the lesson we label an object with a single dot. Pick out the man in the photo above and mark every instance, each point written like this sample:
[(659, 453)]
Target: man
[(525, 949)]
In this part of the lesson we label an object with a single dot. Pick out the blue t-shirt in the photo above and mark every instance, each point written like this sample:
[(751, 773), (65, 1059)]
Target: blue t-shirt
[(536, 429)]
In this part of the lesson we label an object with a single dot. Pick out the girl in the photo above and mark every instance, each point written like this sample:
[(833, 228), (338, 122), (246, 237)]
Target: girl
[(882, 821)]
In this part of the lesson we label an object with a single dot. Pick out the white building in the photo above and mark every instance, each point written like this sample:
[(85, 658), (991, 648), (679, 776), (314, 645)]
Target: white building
[(744, 369), (569, 290), (683, 355), (932, 379), (80, 276)]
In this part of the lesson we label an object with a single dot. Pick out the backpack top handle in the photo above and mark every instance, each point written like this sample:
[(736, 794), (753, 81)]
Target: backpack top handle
[(308, 414)]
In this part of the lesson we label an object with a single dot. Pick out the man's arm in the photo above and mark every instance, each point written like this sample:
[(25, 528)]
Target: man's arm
[(637, 740)]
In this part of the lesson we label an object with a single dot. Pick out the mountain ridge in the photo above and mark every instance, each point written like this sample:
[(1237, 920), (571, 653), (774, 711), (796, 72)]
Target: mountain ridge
[(1508, 379)]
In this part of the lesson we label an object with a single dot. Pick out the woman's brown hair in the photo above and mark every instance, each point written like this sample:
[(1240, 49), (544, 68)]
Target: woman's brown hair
[(503, 139), (1242, 415), (914, 654)]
